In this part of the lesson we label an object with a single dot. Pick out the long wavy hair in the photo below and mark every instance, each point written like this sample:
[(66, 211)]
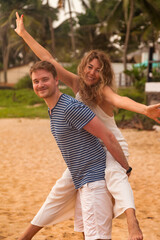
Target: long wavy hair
[(92, 95)]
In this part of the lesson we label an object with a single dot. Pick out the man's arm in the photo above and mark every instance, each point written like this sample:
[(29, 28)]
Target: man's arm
[(98, 129)]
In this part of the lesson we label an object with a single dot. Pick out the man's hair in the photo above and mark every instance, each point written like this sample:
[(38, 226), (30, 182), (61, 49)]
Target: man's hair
[(45, 66)]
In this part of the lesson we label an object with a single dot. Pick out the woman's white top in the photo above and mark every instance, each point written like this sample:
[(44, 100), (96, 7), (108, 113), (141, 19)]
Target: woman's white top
[(110, 123)]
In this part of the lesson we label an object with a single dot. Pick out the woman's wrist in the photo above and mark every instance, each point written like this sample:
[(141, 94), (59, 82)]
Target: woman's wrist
[(129, 170)]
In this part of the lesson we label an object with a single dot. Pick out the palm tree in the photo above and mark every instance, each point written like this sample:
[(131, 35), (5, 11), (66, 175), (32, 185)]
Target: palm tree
[(128, 21), (88, 22), (51, 15), (125, 10), (37, 27), (6, 40), (61, 4)]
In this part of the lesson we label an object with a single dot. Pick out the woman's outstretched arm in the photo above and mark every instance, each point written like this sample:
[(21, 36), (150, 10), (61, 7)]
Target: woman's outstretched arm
[(70, 79), (152, 111)]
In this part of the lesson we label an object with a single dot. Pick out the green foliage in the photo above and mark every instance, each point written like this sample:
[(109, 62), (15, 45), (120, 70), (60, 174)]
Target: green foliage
[(73, 67), (23, 103), (156, 75), (152, 9), (63, 47), (128, 119), (132, 93), (68, 91), (88, 18), (90, 28), (24, 112), (24, 82), (138, 76), (9, 98)]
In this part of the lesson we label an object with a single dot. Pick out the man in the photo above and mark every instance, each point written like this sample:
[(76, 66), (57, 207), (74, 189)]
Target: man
[(76, 130)]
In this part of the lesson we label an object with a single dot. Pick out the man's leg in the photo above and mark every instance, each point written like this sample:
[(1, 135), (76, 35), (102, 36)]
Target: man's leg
[(96, 204), (78, 220)]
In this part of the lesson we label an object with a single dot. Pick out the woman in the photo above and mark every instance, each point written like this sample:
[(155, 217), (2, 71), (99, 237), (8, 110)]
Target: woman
[(94, 85)]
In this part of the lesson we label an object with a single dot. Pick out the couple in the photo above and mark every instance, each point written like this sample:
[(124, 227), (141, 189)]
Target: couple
[(94, 85)]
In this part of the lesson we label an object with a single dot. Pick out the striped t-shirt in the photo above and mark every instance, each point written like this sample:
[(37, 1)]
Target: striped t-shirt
[(81, 151)]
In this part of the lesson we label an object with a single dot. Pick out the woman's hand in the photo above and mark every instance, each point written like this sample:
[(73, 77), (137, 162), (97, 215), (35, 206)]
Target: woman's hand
[(153, 112), (19, 23)]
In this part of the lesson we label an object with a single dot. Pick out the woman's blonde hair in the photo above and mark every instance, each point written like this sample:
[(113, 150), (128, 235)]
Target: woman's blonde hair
[(92, 95)]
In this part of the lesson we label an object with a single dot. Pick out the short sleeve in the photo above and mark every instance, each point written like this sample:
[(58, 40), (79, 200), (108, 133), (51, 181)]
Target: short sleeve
[(78, 115)]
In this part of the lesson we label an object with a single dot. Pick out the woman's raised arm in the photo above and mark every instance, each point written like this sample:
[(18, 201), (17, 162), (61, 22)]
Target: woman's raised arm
[(70, 79)]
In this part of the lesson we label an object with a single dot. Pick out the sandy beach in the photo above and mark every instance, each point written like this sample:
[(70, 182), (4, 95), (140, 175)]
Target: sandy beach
[(31, 163)]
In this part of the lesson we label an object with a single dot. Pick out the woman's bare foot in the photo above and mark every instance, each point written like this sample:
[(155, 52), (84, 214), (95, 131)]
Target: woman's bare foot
[(135, 232)]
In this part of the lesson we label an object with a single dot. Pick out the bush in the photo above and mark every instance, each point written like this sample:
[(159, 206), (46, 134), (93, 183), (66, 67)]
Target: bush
[(9, 98), (156, 75), (24, 82), (128, 119), (132, 93), (72, 68), (138, 76)]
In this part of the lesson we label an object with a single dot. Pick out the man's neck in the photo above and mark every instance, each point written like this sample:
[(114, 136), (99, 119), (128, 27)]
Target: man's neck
[(52, 101)]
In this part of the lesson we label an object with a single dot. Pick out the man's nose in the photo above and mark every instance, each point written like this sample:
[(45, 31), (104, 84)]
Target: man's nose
[(41, 84)]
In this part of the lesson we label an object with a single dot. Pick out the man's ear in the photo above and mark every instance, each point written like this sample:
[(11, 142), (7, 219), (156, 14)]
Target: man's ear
[(57, 81)]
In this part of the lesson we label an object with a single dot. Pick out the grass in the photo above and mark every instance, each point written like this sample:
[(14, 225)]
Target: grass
[(25, 103), (24, 112)]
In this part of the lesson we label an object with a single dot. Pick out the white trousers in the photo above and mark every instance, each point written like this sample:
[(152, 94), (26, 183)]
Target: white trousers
[(93, 211), (60, 203)]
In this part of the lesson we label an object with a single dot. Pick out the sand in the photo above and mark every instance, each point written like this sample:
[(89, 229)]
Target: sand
[(31, 163)]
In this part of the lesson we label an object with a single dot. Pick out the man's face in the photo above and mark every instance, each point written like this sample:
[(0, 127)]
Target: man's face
[(44, 84)]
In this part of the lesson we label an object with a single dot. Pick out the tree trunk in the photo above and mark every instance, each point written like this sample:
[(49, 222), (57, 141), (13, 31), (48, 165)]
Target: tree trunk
[(52, 31), (72, 31), (52, 36), (127, 37), (5, 64), (5, 53)]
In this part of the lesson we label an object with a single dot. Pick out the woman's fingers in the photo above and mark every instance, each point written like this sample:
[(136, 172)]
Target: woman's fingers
[(17, 15)]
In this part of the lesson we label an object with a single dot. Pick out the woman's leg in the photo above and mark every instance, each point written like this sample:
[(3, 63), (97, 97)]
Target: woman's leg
[(59, 206), (119, 187), (134, 230), (30, 231)]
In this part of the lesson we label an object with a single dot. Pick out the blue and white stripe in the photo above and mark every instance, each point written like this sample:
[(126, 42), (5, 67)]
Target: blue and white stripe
[(81, 151)]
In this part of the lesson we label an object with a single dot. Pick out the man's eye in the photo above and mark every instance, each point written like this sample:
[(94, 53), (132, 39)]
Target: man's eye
[(45, 79)]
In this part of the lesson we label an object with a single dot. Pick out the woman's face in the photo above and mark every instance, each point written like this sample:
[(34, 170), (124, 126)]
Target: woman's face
[(92, 72)]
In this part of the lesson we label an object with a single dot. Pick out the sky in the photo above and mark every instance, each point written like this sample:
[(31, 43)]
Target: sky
[(75, 6)]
